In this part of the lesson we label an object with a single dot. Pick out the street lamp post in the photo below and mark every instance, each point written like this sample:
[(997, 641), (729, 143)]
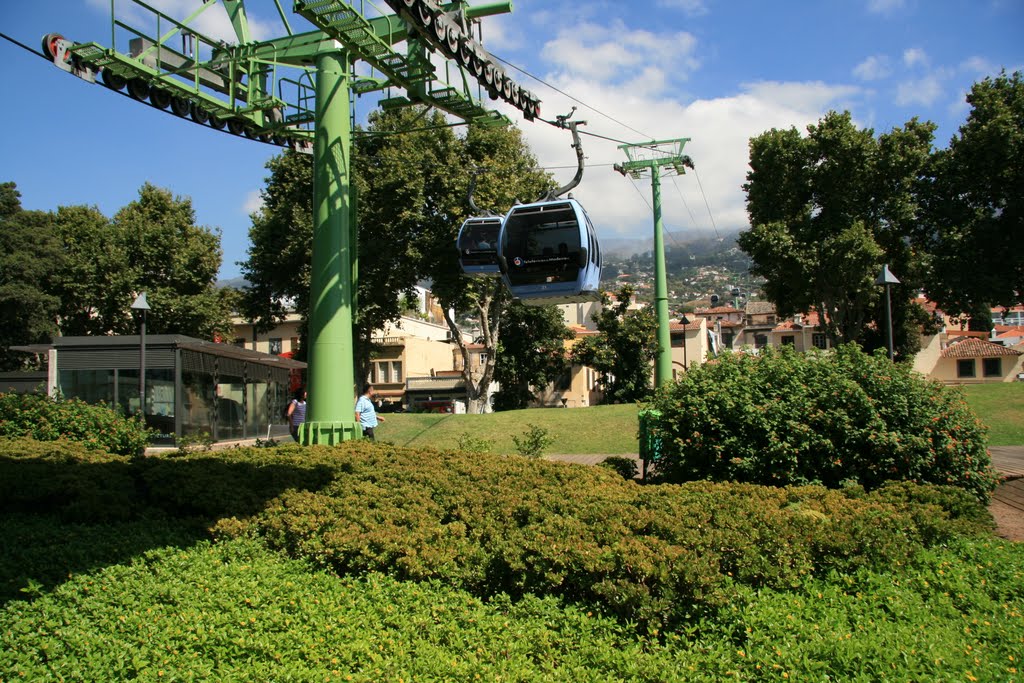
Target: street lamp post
[(887, 279), (140, 304), (684, 321)]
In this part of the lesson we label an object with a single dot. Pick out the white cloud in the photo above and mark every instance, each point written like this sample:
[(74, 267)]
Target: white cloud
[(873, 68), (253, 202), (885, 6), (978, 66), (924, 91), (914, 56), (615, 52)]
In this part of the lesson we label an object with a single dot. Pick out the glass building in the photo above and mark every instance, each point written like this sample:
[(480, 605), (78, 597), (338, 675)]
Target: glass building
[(192, 386)]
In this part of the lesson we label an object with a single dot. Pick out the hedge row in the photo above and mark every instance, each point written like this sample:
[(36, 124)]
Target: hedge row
[(781, 418), (657, 555)]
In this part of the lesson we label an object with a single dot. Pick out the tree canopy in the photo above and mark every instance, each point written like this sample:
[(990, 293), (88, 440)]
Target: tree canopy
[(625, 349), (975, 218), (76, 272), (827, 210)]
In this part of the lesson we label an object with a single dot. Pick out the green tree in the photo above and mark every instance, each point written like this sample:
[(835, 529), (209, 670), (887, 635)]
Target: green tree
[(625, 349), (827, 210), (30, 259), (531, 353), (975, 218)]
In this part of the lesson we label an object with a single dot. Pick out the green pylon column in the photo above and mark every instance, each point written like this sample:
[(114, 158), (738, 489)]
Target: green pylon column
[(331, 412), (663, 363)]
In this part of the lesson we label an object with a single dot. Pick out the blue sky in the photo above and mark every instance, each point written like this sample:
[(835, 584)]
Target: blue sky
[(716, 72)]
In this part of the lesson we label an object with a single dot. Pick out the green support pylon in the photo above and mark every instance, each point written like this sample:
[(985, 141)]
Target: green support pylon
[(658, 156), (663, 363), (331, 412)]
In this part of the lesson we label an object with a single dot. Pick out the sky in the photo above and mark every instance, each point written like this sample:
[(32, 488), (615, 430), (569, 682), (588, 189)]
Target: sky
[(713, 71)]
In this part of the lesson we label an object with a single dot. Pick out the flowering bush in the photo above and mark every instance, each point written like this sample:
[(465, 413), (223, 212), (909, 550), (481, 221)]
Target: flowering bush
[(47, 419), (784, 417)]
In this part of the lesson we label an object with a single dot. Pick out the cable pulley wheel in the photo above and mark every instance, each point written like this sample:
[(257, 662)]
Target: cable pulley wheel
[(138, 89), (113, 80), (180, 106), (50, 51), (159, 98)]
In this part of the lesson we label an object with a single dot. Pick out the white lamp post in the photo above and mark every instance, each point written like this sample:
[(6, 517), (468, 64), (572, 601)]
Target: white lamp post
[(140, 304)]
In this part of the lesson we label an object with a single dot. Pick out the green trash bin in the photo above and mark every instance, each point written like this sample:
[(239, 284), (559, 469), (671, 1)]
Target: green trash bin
[(650, 439)]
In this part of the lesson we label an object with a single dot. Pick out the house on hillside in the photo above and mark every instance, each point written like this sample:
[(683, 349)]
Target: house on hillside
[(968, 359)]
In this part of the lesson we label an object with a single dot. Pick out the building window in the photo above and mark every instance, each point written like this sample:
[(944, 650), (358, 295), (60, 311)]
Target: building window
[(384, 372), (677, 342), (275, 346), (965, 367), (819, 341), (293, 344), (727, 338), (760, 341), (396, 370), (992, 367), (789, 340)]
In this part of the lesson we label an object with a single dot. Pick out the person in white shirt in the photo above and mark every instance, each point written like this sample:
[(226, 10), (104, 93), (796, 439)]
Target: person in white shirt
[(366, 413)]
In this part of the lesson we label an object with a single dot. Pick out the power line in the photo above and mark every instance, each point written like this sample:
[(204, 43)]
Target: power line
[(578, 101), (710, 215)]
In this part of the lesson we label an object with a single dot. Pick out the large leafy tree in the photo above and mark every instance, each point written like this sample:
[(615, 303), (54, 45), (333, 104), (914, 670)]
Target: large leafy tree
[(975, 224), (625, 349), (30, 259), (827, 210), (531, 353)]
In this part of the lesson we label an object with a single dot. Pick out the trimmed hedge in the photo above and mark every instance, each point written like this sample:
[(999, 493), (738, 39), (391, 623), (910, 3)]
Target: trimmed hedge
[(833, 418), (48, 419), (660, 556)]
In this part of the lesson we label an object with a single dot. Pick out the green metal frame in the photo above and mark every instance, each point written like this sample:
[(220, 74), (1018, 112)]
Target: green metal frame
[(655, 157)]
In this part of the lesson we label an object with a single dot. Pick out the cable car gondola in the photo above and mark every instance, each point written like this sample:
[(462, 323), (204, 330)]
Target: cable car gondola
[(478, 240), (548, 250)]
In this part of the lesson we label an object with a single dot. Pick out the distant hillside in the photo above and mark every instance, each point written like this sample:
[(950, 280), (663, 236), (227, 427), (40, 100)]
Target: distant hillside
[(234, 283)]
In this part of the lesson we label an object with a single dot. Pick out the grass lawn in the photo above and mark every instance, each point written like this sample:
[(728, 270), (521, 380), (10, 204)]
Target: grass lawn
[(610, 430), (1001, 407)]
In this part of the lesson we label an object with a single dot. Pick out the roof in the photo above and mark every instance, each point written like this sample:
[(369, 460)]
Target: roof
[(759, 307), (972, 347), (718, 309), (175, 341)]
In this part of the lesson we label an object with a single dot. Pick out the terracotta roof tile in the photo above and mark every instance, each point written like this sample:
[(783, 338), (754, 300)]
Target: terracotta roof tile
[(972, 347)]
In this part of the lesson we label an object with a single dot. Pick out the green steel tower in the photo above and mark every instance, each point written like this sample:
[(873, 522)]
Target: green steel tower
[(657, 157)]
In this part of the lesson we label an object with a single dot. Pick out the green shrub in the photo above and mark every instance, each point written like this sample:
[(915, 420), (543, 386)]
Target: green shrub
[(784, 418), (626, 467), (534, 441), (47, 419), (657, 555), (472, 444)]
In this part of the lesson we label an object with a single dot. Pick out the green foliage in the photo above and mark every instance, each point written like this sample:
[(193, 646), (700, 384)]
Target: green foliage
[(196, 442), (31, 260), (46, 419), (791, 418), (524, 570), (625, 467), (531, 353), (534, 441), (624, 349), (468, 443), (826, 211), (975, 213)]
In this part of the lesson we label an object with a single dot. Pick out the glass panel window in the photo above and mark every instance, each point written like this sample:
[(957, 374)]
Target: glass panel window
[(396, 370), (384, 372), (819, 341), (789, 339), (760, 341), (275, 346), (965, 367), (992, 367)]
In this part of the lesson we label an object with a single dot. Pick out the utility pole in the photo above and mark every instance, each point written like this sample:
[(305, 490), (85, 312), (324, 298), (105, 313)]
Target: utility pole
[(657, 157)]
